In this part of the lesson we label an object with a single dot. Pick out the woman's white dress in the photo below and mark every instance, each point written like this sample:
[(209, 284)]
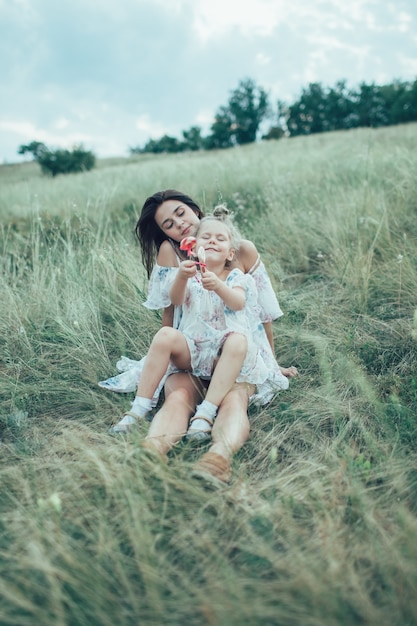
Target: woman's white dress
[(205, 322)]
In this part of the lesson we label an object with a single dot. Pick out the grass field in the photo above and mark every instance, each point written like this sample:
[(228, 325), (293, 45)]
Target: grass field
[(319, 524)]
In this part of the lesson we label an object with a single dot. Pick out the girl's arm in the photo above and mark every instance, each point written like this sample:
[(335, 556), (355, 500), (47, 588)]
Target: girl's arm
[(233, 297), (186, 270)]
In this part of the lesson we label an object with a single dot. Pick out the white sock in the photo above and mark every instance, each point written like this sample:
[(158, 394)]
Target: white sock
[(141, 406), (205, 409)]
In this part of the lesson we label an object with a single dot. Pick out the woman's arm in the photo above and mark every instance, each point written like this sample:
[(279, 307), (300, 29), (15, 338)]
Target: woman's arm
[(168, 316), (270, 334), (249, 260), (247, 257), (167, 258)]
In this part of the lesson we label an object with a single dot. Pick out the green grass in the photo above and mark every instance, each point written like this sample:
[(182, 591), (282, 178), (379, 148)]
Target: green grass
[(319, 524)]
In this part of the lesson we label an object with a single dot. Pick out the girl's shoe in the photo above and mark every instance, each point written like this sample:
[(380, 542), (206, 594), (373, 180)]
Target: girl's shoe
[(198, 435), (125, 426)]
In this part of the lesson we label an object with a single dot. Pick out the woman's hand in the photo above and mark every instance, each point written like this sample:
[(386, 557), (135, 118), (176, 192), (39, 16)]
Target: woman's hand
[(290, 372)]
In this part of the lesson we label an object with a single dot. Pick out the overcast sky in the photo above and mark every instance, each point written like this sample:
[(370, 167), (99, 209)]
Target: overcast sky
[(111, 74)]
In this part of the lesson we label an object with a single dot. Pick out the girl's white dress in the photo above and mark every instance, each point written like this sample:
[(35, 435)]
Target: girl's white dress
[(205, 322)]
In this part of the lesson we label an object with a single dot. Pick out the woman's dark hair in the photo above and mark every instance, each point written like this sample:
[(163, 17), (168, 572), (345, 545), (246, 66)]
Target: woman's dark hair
[(147, 230)]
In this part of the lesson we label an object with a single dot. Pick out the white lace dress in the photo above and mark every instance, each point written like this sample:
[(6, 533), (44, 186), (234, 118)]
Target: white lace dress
[(262, 306)]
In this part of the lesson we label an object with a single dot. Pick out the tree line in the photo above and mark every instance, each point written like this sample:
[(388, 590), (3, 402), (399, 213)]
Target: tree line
[(318, 109)]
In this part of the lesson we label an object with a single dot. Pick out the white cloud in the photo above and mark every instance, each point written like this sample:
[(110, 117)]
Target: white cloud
[(263, 59), (27, 132), (215, 18), (61, 123), (404, 22), (149, 128), (326, 45), (408, 66)]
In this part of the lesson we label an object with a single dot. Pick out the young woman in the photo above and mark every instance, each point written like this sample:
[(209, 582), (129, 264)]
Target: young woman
[(166, 218)]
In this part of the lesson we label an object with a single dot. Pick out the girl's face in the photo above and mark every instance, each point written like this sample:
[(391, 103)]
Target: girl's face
[(176, 219), (214, 237)]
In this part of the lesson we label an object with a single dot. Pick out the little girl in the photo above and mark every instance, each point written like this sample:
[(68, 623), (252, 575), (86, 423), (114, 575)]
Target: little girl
[(215, 337)]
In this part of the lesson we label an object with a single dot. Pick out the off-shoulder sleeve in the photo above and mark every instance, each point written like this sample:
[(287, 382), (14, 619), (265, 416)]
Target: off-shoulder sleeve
[(267, 300), (237, 278), (159, 285)]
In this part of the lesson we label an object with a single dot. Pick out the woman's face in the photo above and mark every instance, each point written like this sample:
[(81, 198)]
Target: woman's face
[(176, 219)]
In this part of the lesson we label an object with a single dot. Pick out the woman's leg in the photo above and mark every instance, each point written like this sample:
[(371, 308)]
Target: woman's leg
[(182, 392), (231, 428), (230, 433)]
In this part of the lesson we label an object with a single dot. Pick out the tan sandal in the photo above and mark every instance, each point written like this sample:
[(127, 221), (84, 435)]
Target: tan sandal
[(214, 468), (125, 429), (198, 435)]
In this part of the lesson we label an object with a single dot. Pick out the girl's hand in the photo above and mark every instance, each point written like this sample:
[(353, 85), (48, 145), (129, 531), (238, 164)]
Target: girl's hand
[(210, 280), (187, 269)]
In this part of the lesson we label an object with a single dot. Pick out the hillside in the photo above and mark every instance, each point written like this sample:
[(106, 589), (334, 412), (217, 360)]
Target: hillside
[(318, 526)]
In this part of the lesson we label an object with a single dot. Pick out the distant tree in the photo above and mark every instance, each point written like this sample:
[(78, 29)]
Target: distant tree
[(135, 150), (55, 162), (166, 144), (275, 132), (193, 139), (37, 148), (308, 114), (401, 101), (370, 106), (248, 106), (340, 108), (279, 125), (238, 122), (170, 144), (221, 131)]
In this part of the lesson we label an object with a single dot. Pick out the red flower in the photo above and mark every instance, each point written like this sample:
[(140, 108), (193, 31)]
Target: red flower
[(187, 244)]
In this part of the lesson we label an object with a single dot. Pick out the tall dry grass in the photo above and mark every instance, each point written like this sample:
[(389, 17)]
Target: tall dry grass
[(319, 524)]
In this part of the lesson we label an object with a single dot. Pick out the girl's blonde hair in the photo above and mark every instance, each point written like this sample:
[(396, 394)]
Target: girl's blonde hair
[(222, 214)]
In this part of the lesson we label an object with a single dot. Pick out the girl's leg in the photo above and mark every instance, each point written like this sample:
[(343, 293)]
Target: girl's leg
[(224, 376), (227, 368), (168, 344), (182, 392)]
